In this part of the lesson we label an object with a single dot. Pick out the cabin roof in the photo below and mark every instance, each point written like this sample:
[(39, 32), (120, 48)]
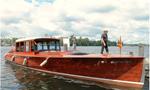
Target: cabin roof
[(36, 38)]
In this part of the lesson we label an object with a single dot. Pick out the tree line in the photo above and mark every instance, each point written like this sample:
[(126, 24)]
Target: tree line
[(7, 41), (79, 42), (87, 42)]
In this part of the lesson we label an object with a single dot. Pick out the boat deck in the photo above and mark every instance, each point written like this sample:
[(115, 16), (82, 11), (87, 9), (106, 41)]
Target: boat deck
[(62, 55)]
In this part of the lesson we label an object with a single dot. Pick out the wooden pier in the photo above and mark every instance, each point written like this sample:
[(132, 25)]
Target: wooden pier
[(147, 71), (147, 62)]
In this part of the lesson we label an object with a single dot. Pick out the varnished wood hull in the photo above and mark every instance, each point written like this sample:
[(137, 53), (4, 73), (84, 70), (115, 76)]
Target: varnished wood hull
[(122, 72)]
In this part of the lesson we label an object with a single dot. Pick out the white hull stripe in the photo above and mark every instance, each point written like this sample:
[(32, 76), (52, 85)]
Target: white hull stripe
[(93, 78)]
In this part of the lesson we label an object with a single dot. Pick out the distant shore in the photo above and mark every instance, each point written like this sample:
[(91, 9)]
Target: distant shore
[(79, 42)]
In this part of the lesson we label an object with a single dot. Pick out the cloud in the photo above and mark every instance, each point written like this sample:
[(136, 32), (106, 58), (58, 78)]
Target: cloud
[(42, 31), (87, 18), (142, 18), (10, 20), (105, 9), (40, 2)]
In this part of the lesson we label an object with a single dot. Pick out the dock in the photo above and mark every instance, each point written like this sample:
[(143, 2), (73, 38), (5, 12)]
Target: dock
[(147, 62)]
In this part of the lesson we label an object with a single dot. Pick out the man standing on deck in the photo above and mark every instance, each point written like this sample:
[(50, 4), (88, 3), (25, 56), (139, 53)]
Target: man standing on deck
[(104, 40)]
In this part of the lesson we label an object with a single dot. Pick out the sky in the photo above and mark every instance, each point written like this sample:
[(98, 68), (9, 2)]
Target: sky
[(87, 18)]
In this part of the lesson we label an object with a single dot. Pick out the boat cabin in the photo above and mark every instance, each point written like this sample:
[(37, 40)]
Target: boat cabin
[(37, 44)]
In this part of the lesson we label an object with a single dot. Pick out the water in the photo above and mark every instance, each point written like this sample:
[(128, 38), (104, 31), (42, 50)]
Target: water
[(15, 78)]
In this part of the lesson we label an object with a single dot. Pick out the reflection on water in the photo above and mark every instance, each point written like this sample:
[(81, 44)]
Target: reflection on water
[(33, 80), (16, 78)]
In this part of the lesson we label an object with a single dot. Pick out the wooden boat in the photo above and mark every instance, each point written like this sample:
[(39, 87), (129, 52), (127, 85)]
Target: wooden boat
[(45, 55)]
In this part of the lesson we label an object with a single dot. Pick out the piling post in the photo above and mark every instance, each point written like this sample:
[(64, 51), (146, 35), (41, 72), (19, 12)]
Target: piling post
[(146, 66), (141, 50), (74, 43)]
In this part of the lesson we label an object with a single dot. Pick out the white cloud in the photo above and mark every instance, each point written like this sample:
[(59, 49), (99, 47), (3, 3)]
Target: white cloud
[(79, 17)]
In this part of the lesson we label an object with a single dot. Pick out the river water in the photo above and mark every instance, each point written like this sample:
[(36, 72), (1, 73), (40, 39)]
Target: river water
[(15, 78)]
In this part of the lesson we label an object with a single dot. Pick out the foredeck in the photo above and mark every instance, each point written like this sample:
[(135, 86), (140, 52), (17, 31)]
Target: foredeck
[(102, 56)]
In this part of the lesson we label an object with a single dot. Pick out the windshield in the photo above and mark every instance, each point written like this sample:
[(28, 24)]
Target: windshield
[(48, 46)]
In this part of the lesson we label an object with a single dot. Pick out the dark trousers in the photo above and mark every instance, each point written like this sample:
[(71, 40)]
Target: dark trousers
[(104, 47)]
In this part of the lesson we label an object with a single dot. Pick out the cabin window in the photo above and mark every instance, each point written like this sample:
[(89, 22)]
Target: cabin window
[(57, 45), (20, 46), (49, 46), (27, 46), (52, 45), (39, 46), (45, 47), (17, 47), (33, 46)]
